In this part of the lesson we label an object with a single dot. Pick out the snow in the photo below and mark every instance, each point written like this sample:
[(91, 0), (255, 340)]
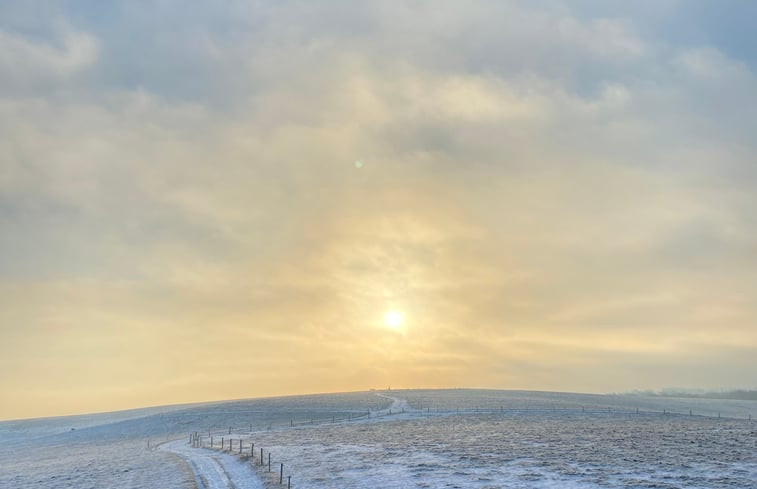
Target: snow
[(412, 439), (397, 406), (213, 469), (535, 450)]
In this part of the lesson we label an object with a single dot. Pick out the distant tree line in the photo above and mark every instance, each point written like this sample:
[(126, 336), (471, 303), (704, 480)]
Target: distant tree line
[(738, 394)]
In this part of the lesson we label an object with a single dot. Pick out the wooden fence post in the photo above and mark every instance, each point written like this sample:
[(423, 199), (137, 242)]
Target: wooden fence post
[(281, 474), (269, 461), (289, 482)]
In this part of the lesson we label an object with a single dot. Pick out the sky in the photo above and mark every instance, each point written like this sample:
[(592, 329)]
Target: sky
[(218, 200)]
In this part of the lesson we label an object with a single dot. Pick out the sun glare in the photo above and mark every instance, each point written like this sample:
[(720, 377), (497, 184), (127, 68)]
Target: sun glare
[(393, 319)]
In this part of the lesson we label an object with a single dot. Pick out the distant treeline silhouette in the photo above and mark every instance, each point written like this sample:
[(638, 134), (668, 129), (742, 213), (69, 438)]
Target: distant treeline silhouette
[(738, 394)]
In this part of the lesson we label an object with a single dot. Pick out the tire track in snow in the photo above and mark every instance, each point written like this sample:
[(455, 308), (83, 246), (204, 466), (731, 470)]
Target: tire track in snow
[(217, 470), (398, 405), (214, 470)]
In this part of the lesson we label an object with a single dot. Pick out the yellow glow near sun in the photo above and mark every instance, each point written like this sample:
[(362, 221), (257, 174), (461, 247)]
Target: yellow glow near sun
[(393, 319)]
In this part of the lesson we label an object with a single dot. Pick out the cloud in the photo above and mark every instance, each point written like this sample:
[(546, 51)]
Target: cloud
[(547, 192), (26, 62)]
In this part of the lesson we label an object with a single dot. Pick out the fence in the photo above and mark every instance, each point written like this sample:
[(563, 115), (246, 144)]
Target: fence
[(244, 446)]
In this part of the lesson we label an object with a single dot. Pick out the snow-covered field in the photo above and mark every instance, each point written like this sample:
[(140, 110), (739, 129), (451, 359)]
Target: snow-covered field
[(499, 439), (540, 450), (120, 450)]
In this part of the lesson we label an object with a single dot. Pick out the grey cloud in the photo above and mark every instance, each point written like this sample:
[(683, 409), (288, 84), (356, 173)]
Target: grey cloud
[(560, 180)]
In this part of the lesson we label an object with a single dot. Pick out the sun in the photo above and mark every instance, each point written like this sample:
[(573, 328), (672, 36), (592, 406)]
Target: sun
[(393, 319)]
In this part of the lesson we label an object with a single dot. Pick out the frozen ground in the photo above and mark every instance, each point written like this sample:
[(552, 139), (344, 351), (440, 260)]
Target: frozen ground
[(96, 463), (214, 469), (472, 399), (501, 439), (111, 450), (524, 450)]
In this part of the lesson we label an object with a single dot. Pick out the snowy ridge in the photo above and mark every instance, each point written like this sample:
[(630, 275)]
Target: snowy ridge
[(464, 438), (488, 447), (214, 468)]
